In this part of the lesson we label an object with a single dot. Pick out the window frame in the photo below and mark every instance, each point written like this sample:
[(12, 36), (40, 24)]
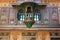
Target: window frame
[(20, 21), (39, 13)]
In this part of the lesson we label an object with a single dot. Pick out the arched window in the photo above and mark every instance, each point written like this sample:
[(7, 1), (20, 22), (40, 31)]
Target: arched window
[(29, 10), (29, 13), (37, 15), (20, 15)]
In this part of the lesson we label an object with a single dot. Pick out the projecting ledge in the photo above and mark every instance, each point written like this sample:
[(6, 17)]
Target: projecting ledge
[(33, 26), (17, 28)]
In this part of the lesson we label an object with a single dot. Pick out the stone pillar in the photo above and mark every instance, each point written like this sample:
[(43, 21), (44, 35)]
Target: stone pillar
[(39, 35), (19, 36), (15, 35), (11, 35), (47, 35), (43, 35)]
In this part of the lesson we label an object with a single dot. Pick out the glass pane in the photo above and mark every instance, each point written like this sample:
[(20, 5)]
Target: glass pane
[(20, 16), (37, 16), (29, 15)]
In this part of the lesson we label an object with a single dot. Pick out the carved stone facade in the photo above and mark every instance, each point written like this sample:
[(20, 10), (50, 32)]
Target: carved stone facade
[(46, 15)]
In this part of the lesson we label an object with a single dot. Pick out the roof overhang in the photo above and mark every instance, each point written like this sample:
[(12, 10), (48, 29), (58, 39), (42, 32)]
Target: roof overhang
[(31, 3)]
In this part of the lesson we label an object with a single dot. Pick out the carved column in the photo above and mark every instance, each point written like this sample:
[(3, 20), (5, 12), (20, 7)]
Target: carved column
[(39, 35), (47, 35), (11, 35)]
